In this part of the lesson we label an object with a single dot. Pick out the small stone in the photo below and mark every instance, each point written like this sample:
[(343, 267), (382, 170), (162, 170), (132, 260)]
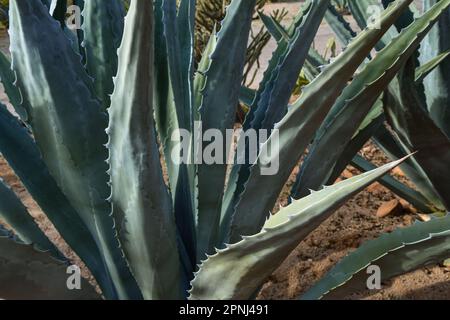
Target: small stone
[(447, 263), (398, 172), (347, 174), (408, 220), (424, 217), (375, 188), (390, 208), (407, 206)]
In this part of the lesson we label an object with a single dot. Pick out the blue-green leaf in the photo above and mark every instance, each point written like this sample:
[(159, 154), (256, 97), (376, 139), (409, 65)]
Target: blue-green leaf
[(140, 200)]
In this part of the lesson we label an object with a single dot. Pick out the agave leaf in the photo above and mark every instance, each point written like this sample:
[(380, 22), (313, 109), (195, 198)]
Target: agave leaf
[(437, 85), (375, 113), (412, 196), (14, 213), (406, 18), (218, 109), (166, 122), (178, 39), (367, 11), (274, 100), (277, 57), (8, 78), (47, 3), (248, 263), (28, 274), (140, 200), (80, 33), (339, 25), (356, 102), (390, 145), (275, 29), (58, 10), (275, 80), (178, 30), (102, 29), (297, 129), (69, 126), (247, 96), (424, 70), (417, 131), (354, 146), (24, 157), (397, 253)]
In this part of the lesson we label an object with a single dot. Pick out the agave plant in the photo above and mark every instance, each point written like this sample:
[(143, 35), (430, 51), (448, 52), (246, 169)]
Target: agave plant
[(414, 104), (94, 107)]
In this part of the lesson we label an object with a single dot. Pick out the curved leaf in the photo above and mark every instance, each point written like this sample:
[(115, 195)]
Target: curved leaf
[(246, 265), (418, 132), (297, 129), (339, 25), (218, 109), (357, 100), (68, 124), (437, 85), (24, 157), (102, 31), (27, 274), (178, 28), (397, 253), (14, 213), (140, 200), (424, 70), (8, 78)]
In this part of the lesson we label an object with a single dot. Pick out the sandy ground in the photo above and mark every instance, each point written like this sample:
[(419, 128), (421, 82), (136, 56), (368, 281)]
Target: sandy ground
[(345, 231)]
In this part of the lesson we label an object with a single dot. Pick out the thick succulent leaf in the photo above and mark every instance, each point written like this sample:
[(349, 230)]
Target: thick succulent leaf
[(167, 122), (390, 145), (8, 78), (80, 33), (47, 3), (424, 70), (354, 146), (272, 105), (247, 264), (58, 10), (68, 124), (277, 57), (275, 29), (412, 196), (339, 25), (258, 110), (356, 102), (16, 215), (406, 18), (140, 200), (28, 274), (397, 253), (375, 113), (437, 85), (22, 154), (178, 28), (365, 12), (417, 131), (247, 96), (102, 29), (297, 129), (219, 103)]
